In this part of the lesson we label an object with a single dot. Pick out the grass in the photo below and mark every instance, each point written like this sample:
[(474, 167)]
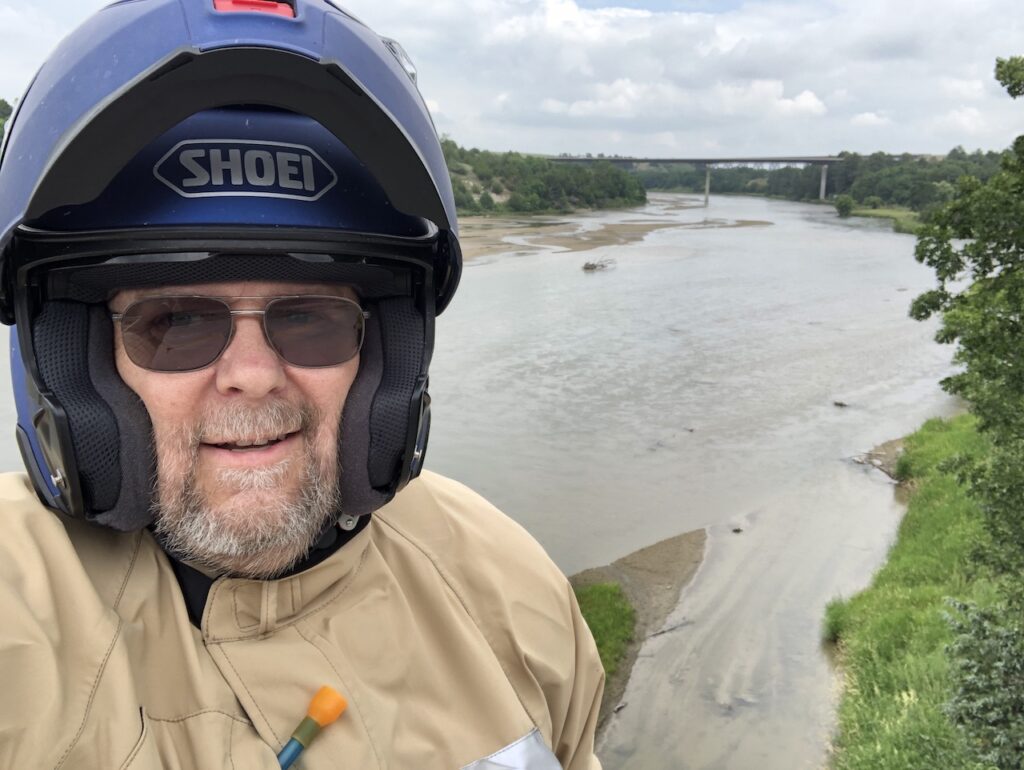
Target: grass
[(611, 619), (892, 636), (903, 220)]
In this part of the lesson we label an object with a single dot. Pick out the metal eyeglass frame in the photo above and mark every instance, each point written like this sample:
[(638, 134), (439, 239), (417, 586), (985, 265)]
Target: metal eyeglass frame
[(248, 312)]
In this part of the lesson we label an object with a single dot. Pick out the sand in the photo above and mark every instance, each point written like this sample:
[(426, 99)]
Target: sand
[(652, 579), (486, 236)]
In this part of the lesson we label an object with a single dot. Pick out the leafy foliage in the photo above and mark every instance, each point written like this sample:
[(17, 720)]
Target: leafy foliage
[(844, 205), (528, 184), (975, 245), (1010, 74), (987, 658)]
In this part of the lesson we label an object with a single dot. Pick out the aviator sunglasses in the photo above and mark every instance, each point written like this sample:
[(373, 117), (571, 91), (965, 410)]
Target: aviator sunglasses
[(182, 334)]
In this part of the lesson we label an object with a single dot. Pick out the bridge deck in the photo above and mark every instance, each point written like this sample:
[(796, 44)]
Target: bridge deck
[(707, 161)]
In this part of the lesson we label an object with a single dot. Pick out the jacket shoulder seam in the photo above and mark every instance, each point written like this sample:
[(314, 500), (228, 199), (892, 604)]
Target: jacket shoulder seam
[(128, 571)]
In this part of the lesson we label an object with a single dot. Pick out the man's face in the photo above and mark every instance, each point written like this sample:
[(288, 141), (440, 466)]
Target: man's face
[(222, 502)]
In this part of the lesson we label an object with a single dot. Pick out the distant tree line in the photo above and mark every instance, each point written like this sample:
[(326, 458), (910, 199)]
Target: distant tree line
[(879, 179), (486, 181)]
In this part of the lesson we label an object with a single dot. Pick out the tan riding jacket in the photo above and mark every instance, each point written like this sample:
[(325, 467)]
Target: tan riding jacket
[(456, 641)]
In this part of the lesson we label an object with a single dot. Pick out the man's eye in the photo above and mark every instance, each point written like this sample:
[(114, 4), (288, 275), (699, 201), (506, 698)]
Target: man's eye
[(301, 318), (174, 319)]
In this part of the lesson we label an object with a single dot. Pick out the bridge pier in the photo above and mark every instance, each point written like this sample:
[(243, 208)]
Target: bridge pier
[(707, 185), (824, 181)]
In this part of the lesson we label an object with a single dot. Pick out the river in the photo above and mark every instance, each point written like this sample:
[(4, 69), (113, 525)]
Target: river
[(693, 384)]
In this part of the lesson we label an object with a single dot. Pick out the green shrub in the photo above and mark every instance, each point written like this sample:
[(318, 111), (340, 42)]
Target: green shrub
[(873, 202), (844, 205), (987, 669)]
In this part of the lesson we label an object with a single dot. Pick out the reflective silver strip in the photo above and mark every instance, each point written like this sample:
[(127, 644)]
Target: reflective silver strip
[(528, 753)]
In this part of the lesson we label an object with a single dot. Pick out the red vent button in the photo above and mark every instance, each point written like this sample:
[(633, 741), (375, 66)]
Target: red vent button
[(256, 6)]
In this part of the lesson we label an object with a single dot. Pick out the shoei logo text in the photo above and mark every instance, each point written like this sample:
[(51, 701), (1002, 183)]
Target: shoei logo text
[(205, 168)]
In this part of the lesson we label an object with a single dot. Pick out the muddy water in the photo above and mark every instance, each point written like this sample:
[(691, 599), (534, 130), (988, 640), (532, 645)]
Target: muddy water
[(692, 385)]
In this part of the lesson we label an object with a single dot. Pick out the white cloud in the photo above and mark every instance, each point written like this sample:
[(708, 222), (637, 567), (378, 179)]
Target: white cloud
[(869, 119), (960, 88), (761, 98), (770, 77), (968, 120), (805, 103)]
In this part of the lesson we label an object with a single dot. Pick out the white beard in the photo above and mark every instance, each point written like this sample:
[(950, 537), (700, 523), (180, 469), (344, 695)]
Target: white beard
[(264, 532)]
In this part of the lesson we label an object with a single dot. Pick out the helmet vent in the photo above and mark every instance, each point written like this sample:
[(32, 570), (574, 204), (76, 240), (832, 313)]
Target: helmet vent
[(256, 6)]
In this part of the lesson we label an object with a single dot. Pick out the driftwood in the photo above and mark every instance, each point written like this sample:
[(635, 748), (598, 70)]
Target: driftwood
[(600, 264)]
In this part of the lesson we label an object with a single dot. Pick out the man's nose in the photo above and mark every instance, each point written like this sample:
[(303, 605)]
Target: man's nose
[(249, 366)]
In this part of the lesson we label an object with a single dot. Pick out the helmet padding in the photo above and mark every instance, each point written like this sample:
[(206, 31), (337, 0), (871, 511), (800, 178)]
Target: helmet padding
[(111, 429), (74, 349)]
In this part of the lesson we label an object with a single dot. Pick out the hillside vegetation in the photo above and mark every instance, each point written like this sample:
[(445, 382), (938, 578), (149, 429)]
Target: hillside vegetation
[(486, 182)]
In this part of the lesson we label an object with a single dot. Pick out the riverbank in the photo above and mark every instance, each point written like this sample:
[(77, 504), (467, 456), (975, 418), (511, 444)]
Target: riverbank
[(652, 580), (892, 638), (486, 236), (903, 220)]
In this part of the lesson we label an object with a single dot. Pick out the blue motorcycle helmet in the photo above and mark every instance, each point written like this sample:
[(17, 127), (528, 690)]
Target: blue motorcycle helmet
[(193, 141)]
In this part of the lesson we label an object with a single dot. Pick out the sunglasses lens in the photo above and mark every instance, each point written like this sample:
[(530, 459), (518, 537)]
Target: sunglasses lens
[(175, 334), (315, 331)]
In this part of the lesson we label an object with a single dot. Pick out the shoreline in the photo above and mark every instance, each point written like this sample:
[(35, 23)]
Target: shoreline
[(652, 580), (488, 236), (530, 234), (884, 457)]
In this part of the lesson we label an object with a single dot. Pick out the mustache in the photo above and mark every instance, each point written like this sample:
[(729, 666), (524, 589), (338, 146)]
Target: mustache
[(237, 422)]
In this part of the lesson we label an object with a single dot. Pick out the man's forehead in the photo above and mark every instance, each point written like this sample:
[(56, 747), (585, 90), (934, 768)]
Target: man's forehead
[(233, 289)]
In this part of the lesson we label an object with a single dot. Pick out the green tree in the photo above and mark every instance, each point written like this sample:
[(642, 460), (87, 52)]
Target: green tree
[(978, 236), (975, 244), (1010, 74), (844, 205)]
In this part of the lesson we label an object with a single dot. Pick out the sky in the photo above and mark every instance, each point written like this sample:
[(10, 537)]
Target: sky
[(673, 77)]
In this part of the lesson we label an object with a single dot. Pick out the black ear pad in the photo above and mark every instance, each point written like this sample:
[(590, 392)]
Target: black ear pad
[(107, 421), (358, 497), (133, 509), (375, 420)]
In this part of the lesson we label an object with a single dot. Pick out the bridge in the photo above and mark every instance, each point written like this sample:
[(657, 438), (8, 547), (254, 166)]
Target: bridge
[(804, 160)]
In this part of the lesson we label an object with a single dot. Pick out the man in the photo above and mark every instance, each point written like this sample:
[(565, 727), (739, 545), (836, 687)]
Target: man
[(226, 230)]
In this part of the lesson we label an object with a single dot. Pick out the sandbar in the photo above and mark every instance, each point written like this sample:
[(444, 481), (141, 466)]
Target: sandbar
[(652, 579)]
